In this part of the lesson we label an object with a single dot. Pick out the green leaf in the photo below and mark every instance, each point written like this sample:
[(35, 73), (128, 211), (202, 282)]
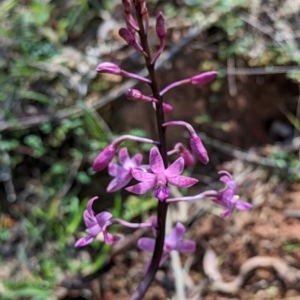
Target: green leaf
[(94, 124)]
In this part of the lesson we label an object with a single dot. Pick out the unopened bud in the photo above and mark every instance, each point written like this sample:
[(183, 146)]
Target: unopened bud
[(167, 108), (133, 94), (108, 67), (127, 36), (104, 158), (203, 78), (198, 149), (185, 154), (127, 5), (160, 26)]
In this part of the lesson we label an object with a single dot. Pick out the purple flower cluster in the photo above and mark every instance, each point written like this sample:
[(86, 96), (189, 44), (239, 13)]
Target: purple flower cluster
[(156, 175)]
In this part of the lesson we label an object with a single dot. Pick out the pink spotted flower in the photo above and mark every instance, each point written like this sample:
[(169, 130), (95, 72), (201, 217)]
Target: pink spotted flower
[(96, 224), (160, 177), (228, 198), (174, 241), (122, 172)]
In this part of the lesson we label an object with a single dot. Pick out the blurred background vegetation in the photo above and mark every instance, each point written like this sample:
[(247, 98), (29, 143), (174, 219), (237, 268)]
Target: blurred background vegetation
[(55, 117)]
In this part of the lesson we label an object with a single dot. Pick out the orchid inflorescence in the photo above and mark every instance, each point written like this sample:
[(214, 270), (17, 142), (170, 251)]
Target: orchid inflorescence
[(157, 175)]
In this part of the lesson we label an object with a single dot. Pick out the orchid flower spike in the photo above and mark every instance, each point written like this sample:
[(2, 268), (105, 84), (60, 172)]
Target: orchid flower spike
[(160, 177), (96, 224), (122, 172), (174, 241)]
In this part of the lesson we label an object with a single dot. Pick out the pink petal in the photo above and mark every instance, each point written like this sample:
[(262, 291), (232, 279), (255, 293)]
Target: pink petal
[(103, 218), (156, 161), (226, 213), (123, 155), (175, 168), (141, 175), (90, 205), (118, 183), (228, 194), (94, 230), (182, 181), (186, 246), (175, 236), (226, 176), (114, 169), (243, 205), (146, 244), (141, 188), (110, 238), (89, 220), (84, 241), (137, 159)]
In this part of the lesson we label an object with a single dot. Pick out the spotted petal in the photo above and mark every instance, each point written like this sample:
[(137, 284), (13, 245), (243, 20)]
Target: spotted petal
[(175, 168), (141, 188), (182, 181), (156, 161), (141, 175), (118, 183)]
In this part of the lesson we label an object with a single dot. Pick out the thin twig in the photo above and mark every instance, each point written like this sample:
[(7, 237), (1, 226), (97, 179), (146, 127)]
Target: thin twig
[(231, 77)]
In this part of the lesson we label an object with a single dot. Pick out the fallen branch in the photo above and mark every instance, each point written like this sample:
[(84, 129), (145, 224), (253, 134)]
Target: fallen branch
[(289, 275)]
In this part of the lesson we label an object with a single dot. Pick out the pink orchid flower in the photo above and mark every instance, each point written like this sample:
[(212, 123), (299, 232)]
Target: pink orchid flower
[(96, 224), (160, 177), (227, 198), (173, 241), (122, 173)]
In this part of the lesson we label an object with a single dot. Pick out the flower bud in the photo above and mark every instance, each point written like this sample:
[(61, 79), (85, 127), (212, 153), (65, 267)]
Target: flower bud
[(133, 94), (203, 78), (160, 26), (127, 6), (185, 154), (198, 149), (167, 108), (127, 36), (108, 67), (104, 158)]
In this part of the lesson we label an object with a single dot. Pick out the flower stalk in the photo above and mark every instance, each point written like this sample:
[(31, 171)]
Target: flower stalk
[(158, 174)]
